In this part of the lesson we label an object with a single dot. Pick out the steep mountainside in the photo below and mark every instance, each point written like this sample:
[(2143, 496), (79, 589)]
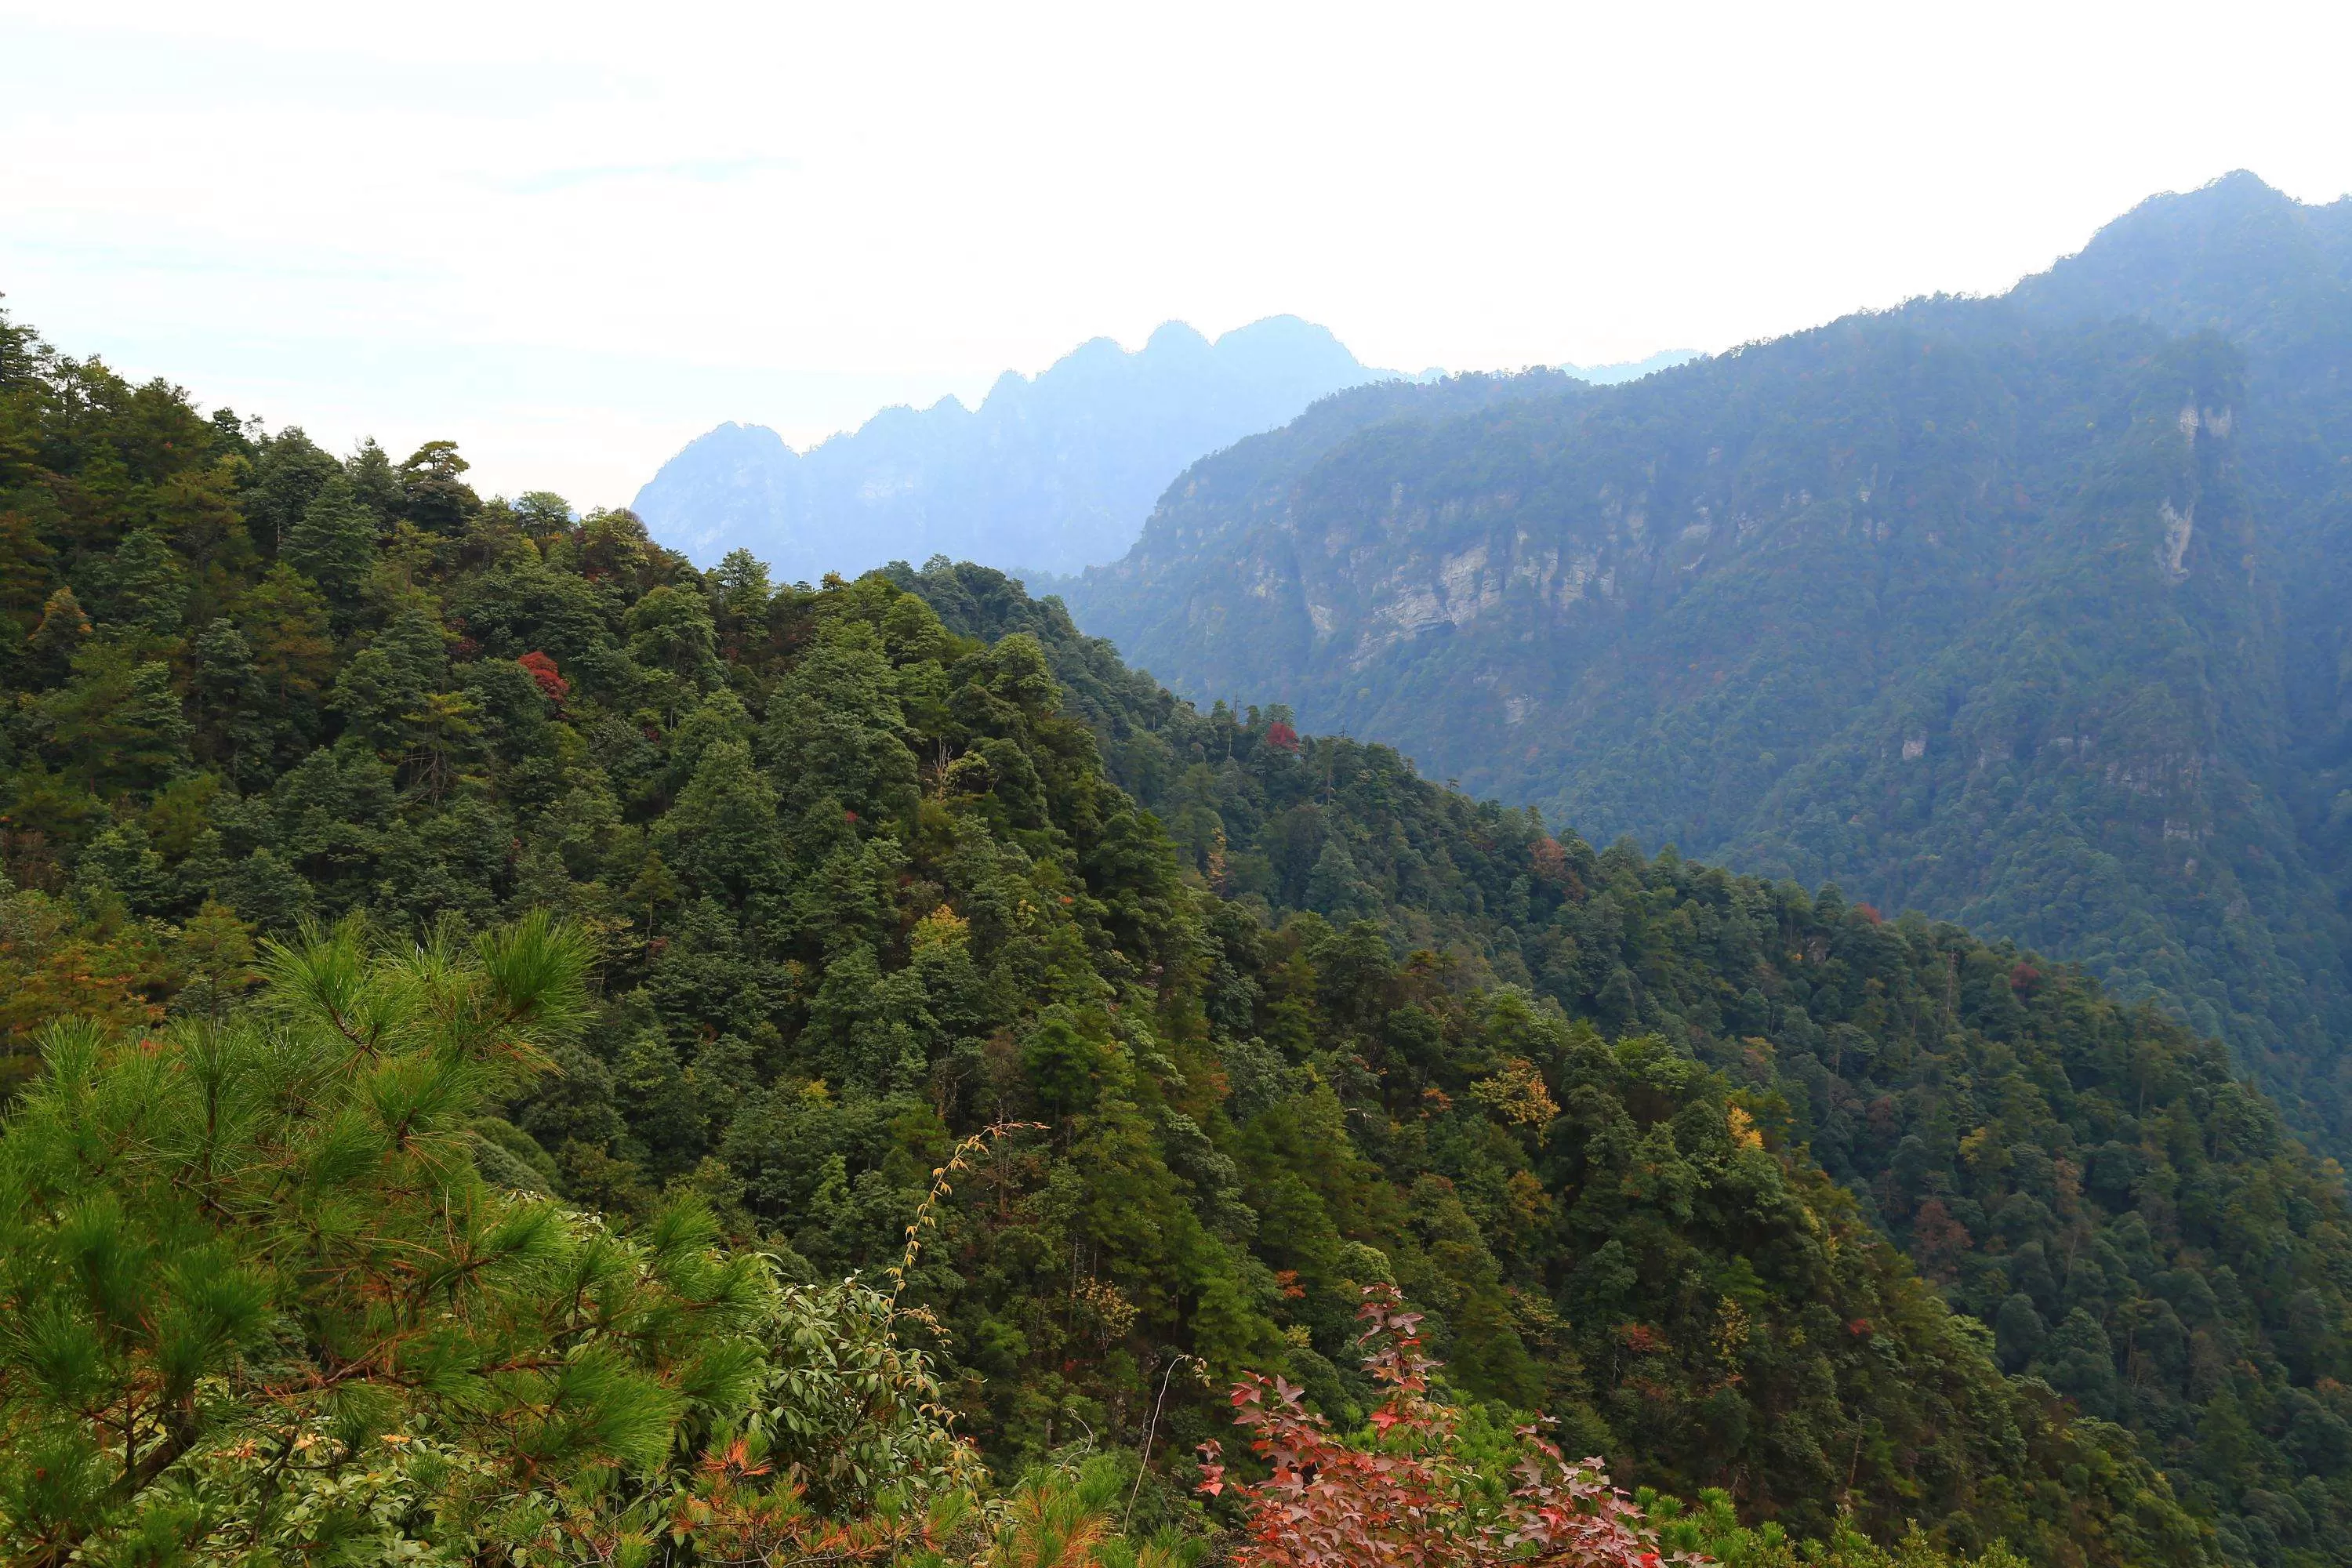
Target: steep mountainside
[(2020, 612), (2028, 1140)]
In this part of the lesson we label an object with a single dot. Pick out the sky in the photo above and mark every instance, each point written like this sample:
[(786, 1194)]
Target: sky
[(574, 237)]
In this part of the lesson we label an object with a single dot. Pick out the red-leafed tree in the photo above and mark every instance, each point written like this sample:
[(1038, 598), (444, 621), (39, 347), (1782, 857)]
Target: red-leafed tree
[(1408, 1497), (542, 670), (1549, 861)]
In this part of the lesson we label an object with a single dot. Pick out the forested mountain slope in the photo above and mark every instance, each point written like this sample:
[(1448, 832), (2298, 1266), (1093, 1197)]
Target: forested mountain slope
[(1258, 1018), (2021, 612), (2017, 1130)]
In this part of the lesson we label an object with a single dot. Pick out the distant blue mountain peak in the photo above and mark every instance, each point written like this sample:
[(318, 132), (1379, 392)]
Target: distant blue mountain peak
[(1053, 472)]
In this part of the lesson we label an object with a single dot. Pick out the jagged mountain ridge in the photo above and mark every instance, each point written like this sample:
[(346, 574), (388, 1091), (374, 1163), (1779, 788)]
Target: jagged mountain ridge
[(2016, 611), (1054, 472)]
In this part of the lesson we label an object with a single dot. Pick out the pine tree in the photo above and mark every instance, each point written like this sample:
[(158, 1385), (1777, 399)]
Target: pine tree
[(216, 953), (24, 557), (383, 693), (334, 543), (652, 887), (372, 475), (265, 891), (433, 495), (289, 472), (671, 631), (740, 592), (233, 728), (285, 620), (121, 861), (62, 630), (722, 837), (835, 730), (148, 588), (121, 724), (287, 1281), (287, 476)]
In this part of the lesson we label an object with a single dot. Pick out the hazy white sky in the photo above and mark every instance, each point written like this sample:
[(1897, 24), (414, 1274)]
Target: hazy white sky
[(572, 238)]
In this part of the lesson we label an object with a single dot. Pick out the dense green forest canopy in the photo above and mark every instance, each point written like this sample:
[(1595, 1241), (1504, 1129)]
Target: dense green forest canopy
[(1842, 1224), (1998, 1115), (2025, 612)]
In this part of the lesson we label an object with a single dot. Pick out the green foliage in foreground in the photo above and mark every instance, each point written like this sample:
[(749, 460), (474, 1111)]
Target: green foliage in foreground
[(1712, 1529), (261, 1303), (263, 1308)]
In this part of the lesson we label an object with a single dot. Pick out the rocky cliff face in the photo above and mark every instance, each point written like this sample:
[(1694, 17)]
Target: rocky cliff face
[(2016, 611)]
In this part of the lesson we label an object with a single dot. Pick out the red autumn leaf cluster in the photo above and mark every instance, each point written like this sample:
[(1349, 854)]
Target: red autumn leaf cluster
[(1641, 1339), (552, 684), (1548, 862), (1409, 1499), (1281, 736)]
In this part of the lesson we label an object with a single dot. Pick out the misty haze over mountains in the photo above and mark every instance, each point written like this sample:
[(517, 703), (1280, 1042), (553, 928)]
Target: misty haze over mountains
[(1050, 474)]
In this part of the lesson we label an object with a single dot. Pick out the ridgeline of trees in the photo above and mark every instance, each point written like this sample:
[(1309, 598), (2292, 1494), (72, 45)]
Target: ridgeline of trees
[(520, 976)]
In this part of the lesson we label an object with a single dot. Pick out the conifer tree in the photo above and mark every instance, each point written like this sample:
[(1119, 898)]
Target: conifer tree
[(289, 472), (25, 560), (233, 728), (62, 630), (433, 493), (216, 951), (334, 543), (122, 861), (372, 475), (244, 1264), (383, 693), (120, 723), (148, 588), (285, 620)]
